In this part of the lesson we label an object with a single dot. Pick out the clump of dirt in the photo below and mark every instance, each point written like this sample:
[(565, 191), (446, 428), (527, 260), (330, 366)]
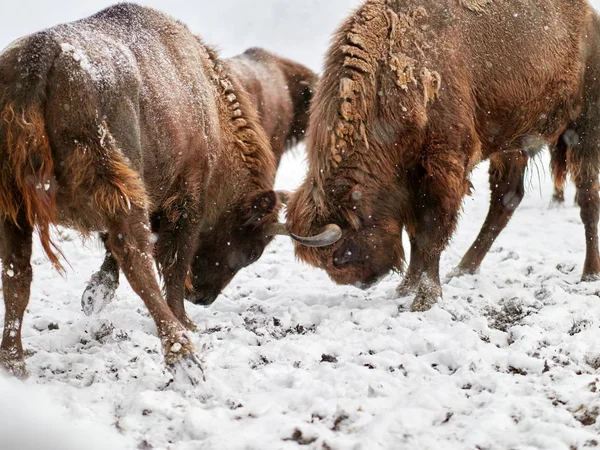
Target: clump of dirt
[(328, 358), (509, 313), (263, 325), (579, 326), (586, 416), (298, 437)]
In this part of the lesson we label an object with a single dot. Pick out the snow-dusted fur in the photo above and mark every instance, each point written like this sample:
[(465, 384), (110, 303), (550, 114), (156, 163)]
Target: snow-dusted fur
[(116, 121), (413, 96)]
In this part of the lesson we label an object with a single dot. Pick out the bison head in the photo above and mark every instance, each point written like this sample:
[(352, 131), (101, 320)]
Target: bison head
[(370, 245), (237, 240)]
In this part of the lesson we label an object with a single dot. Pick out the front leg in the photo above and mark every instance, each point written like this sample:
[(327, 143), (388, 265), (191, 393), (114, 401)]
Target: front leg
[(176, 246), (437, 193), (129, 240), (411, 279)]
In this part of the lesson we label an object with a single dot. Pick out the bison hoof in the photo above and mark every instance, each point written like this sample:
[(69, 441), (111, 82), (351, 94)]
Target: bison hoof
[(187, 370), (590, 277), (181, 358), (423, 303), (406, 288), (99, 292), (15, 367), (428, 294), (460, 271)]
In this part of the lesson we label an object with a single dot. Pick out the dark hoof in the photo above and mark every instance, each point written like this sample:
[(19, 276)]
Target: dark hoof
[(12, 365), (181, 359), (460, 271), (406, 288), (590, 277), (187, 370), (423, 303), (99, 292), (428, 295)]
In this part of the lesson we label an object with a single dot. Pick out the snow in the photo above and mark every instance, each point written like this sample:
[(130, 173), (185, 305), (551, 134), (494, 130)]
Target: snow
[(508, 359)]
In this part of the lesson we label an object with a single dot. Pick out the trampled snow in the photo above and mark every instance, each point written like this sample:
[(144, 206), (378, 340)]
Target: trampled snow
[(509, 359)]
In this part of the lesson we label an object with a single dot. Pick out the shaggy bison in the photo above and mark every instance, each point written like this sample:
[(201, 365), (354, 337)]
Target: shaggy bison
[(118, 122), (281, 91), (414, 94)]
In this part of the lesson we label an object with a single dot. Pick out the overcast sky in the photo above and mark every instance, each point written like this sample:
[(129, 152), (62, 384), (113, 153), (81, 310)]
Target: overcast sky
[(299, 29)]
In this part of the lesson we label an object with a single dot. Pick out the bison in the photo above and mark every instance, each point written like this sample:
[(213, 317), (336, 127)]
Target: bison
[(116, 123), (280, 90), (413, 96)]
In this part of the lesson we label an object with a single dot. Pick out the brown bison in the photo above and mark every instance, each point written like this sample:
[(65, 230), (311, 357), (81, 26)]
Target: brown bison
[(115, 123), (281, 91), (414, 94)]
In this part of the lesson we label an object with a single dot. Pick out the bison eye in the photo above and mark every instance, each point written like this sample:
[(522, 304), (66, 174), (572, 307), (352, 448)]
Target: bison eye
[(346, 255)]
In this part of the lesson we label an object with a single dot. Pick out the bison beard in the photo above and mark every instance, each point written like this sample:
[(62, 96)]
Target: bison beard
[(414, 94), (114, 121)]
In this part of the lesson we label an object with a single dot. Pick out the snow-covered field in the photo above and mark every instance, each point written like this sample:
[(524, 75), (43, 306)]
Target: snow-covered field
[(509, 359)]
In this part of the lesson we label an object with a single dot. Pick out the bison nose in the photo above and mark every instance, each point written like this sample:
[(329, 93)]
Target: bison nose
[(201, 298), (346, 255)]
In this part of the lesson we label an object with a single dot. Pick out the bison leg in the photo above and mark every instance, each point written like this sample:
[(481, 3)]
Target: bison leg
[(103, 284), (584, 162), (437, 195), (507, 190), (410, 282), (176, 246), (129, 240), (558, 196), (15, 246), (589, 204)]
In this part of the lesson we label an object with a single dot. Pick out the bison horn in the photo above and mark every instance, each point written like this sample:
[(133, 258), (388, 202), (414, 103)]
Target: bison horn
[(330, 235)]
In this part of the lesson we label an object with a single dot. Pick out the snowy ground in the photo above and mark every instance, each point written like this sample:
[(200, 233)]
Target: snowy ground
[(510, 359)]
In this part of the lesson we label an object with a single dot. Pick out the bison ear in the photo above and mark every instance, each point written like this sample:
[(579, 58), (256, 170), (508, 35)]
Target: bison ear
[(261, 207)]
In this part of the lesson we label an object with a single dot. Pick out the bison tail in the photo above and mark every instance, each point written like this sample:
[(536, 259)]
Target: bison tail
[(27, 186)]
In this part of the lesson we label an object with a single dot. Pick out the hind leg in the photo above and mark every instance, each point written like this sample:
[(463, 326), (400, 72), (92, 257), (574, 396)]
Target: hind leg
[(175, 250), (15, 248), (507, 190), (129, 240), (103, 284), (583, 163)]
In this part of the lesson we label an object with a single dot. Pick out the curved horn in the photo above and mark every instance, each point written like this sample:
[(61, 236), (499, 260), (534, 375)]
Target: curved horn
[(330, 235), (277, 229)]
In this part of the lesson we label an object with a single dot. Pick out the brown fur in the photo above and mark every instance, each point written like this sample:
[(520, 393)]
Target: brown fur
[(118, 122), (416, 93), (28, 185), (281, 91)]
